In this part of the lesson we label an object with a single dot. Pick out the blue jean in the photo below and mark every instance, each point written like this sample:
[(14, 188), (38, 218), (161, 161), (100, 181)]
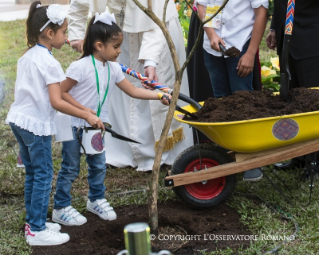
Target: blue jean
[(70, 168), (223, 74), (36, 156)]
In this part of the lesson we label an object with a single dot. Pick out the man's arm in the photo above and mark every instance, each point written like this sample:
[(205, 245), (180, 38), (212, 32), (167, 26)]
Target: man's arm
[(246, 63), (271, 37), (214, 39), (78, 15), (151, 50)]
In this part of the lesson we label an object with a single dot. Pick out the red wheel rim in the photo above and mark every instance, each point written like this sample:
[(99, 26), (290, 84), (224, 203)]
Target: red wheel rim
[(209, 190)]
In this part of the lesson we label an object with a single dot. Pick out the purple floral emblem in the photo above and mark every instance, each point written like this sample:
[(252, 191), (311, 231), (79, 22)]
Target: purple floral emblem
[(96, 142), (285, 129)]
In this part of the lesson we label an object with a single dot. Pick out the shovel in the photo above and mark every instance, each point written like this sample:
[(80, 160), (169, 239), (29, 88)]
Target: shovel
[(224, 50), (178, 108), (117, 136), (285, 76)]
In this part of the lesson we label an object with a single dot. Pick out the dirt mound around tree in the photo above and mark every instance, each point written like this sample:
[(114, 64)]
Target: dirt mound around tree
[(244, 105), (175, 219)]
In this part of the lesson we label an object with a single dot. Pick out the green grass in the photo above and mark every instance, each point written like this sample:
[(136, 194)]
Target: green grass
[(258, 217)]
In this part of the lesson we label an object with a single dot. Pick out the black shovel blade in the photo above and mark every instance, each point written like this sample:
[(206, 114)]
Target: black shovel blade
[(284, 85), (178, 108), (117, 136)]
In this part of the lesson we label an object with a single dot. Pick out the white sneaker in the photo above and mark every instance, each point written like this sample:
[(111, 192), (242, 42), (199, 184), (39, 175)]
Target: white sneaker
[(46, 237), (102, 208), (68, 216), (49, 225)]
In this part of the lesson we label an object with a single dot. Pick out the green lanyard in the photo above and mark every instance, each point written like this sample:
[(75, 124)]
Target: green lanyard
[(98, 86)]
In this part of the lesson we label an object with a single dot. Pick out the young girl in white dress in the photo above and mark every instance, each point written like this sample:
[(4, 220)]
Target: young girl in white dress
[(90, 82), (37, 96)]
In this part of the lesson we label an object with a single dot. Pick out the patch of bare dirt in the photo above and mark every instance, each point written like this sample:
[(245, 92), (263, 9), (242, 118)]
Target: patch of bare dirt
[(198, 230)]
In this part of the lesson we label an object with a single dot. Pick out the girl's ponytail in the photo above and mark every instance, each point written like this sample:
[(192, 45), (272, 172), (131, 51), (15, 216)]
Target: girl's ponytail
[(35, 21), (32, 37)]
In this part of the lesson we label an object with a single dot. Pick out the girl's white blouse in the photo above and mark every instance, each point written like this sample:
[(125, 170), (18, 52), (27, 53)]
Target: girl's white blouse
[(32, 109), (85, 91)]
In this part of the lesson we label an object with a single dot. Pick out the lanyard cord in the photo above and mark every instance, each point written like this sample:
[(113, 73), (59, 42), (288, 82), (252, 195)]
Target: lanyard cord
[(44, 47), (98, 86)]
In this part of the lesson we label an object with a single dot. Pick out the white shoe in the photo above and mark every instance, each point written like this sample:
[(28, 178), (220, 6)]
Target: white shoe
[(68, 216), (102, 208), (49, 225), (46, 237)]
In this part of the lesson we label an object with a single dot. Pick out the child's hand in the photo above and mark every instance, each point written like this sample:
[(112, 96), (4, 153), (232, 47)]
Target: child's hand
[(95, 121), (89, 110), (165, 98)]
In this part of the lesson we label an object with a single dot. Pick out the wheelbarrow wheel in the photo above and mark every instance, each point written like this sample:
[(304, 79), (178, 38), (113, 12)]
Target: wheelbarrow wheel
[(207, 193)]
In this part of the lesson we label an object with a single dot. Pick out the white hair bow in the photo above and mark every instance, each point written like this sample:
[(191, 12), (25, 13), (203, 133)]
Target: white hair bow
[(55, 14), (105, 17)]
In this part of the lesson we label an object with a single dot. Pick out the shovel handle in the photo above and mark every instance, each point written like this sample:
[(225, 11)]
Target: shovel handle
[(162, 96), (222, 48), (285, 74)]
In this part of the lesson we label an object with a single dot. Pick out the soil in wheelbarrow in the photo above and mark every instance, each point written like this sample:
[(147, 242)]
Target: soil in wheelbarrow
[(198, 231), (244, 105)]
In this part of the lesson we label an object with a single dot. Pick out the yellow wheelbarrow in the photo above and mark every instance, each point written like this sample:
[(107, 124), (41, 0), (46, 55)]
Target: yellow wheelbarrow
[(205, 175)]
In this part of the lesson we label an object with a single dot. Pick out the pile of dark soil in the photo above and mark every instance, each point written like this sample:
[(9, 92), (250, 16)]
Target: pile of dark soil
[(244, 105), (175, 218), (232, 52)]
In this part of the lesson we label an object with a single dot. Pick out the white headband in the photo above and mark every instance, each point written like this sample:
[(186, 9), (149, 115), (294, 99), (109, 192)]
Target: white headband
[(105, 17), (55, 14)]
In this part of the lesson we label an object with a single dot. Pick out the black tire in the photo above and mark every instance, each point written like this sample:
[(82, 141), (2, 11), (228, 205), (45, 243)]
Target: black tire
[(201, 195)]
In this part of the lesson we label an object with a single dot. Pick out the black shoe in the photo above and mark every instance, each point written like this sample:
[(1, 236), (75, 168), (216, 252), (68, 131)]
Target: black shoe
[(253, 175)]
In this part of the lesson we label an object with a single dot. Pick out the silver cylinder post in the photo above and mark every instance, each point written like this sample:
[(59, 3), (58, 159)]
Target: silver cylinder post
[(137, 238)]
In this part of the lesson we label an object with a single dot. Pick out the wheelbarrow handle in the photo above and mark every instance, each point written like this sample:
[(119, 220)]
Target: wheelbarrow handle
[(285, 74)]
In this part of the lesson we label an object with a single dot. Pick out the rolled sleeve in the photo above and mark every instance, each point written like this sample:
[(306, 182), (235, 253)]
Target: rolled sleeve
[(78, 15), (53, 73), (74, 71), (152, 45), (203, 2), (257, 3)]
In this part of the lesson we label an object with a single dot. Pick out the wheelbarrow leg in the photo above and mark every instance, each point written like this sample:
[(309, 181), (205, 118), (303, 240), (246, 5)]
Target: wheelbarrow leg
[(199, 151), (310, 167), (283, 183), (276, 187)]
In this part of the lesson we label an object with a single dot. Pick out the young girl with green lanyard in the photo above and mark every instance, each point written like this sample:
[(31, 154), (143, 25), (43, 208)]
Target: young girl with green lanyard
[(89, 84)]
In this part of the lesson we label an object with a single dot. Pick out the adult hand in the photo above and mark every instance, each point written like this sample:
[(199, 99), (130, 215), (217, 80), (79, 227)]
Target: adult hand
[(245, 64), (150, 72), (77, 45), (271, 40)]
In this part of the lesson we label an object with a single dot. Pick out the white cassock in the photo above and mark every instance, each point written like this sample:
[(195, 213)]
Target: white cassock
[(140, 120)]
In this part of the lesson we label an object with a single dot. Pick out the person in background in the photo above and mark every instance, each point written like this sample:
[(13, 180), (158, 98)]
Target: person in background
[(241, 24), (200, 87), (145, 50), (304, 46)]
